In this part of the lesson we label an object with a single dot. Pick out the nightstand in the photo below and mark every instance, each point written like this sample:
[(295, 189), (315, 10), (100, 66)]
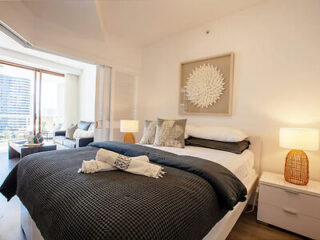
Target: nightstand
[(288, 206)]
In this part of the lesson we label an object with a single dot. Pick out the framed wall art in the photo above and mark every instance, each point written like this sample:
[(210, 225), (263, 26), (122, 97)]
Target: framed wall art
[(206, 86)]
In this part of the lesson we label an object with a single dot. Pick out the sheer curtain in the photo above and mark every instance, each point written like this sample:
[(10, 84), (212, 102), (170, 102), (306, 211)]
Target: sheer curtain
[(123, 102), (115, 101), (102, 103), (71, 100)]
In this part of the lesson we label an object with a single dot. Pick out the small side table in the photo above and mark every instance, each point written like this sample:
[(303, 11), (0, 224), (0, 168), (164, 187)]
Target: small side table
[(292, 207), (17, 150)]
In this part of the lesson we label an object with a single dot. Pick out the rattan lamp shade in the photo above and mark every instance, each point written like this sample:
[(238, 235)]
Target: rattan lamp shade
[(296, 169)]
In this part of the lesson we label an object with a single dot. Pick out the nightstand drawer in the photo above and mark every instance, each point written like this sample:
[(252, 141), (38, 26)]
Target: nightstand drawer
[(289, 199), (288, 219)]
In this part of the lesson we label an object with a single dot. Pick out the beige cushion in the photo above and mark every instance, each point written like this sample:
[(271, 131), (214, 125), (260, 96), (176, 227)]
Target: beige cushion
[(79, 133), (70, 131)]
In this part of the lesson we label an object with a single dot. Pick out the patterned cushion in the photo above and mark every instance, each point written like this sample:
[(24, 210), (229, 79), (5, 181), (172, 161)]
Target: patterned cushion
[(170, 133), (149, 132)]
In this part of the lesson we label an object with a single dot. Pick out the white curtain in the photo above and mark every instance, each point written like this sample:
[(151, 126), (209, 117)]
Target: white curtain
[(102, 106), (71, 100), (123, 102), (115, 101)]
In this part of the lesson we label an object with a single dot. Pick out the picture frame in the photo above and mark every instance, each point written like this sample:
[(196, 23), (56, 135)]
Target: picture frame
[(220, 103)]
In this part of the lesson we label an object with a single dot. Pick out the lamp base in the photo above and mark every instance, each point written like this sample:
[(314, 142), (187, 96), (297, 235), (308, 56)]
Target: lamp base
[(129, 138), (296, 169)]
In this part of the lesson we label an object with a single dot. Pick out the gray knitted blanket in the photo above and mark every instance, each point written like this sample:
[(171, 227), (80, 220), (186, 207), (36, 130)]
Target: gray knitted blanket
[(186, 203)]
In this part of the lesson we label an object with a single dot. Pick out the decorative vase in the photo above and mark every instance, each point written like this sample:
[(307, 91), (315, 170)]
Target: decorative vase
[(38, 138)]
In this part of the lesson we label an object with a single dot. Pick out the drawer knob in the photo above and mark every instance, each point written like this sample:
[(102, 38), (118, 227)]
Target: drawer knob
[(289, 211)]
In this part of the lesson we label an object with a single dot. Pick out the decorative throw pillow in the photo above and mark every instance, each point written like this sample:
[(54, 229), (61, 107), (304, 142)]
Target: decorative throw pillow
[(149, 132), (79, 133), (170, 133), (70, 131)]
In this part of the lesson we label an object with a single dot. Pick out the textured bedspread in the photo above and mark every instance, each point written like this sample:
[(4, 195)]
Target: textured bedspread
[(186, 203)]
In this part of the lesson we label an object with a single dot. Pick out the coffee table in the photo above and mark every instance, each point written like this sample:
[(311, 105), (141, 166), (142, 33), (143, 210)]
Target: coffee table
[(17, 150)]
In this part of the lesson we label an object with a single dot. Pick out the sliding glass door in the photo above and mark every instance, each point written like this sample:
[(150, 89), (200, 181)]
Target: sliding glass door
[(31, 101)]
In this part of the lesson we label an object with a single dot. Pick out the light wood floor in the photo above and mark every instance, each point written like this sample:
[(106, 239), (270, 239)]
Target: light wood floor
[(247, 228)]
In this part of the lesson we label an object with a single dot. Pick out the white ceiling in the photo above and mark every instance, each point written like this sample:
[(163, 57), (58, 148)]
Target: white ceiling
[(76, 16), (140, 22), (146, 21)]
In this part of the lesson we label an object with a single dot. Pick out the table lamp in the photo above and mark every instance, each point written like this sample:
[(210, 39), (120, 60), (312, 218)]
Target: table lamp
[(129, 127), (296, 169)]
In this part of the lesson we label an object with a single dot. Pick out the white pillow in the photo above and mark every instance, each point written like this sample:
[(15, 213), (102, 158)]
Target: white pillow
[(79, 133), (188, 130), (223, 134)]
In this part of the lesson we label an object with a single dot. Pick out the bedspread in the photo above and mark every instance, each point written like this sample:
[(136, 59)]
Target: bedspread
[(186, 203)]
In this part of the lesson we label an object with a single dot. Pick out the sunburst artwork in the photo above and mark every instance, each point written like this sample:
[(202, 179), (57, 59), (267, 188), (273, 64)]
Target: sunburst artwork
[(206, 86)]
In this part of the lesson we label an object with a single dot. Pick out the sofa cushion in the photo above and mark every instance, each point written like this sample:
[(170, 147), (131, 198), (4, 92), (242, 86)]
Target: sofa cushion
[(69, 143), (84, 125), (70, 131), (79, 133), (59, 139)]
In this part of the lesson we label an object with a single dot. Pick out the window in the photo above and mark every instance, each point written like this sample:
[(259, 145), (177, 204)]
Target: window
[(31, 100)]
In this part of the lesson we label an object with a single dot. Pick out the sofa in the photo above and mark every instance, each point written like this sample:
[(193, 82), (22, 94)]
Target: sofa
[(86, 128)]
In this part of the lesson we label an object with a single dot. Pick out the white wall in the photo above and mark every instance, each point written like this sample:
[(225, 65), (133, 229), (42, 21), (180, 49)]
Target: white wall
[(276, 75), (87, 91)]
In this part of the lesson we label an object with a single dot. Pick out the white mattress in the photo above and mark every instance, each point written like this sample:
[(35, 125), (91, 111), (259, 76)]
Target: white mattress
[(241, 165)]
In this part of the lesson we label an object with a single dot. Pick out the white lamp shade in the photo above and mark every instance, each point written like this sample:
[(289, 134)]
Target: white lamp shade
[(129, 126), (299, 138)]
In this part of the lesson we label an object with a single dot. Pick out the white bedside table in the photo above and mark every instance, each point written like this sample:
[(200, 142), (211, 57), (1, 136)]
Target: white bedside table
[(288, 206)]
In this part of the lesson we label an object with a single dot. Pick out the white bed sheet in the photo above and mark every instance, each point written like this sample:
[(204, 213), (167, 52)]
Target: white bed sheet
[(241, 165)]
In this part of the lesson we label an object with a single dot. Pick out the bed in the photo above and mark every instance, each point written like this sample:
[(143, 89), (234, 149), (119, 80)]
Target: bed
[(247, 169), (247, 172)]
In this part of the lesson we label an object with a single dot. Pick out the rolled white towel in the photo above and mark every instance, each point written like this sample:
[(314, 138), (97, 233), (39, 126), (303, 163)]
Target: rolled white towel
[(98, 165), (92, 166), (133, 165), (103, 155)]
